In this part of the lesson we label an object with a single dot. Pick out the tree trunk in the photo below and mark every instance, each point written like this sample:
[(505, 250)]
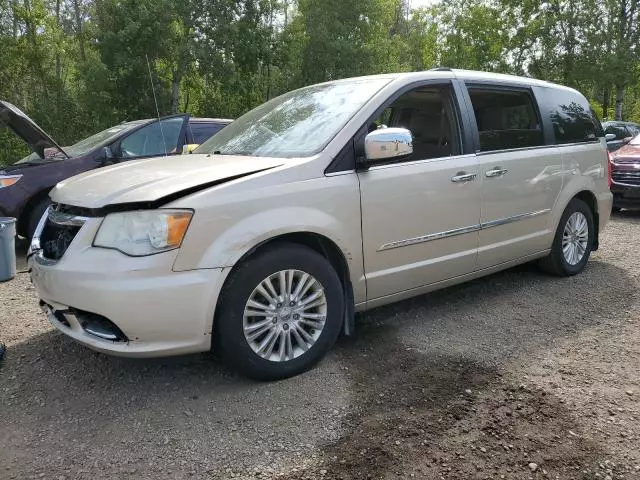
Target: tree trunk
[(14, 4), (175, 89), (285, 6), (79, 30), (57, 46), (31, 31), (606, 101), (35, 56), (619, 100), (186, 100)]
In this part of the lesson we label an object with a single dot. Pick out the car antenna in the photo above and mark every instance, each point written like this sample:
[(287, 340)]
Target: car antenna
[(155, 100)]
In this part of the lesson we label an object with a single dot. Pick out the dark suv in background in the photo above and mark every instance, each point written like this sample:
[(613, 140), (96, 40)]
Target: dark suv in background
[(25, 185), (619, 133)]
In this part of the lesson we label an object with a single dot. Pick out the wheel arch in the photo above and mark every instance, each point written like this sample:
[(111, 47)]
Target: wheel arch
[(325, 247), (23, 219), (588, 197), (582, 188)]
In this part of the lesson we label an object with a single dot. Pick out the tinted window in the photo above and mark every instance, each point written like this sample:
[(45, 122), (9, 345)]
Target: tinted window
[(201, 132), (148, 140), (505, 118), (429, 114), (572, 117)]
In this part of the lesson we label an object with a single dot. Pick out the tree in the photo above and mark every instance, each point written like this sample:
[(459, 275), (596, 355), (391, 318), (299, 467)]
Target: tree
[(78, 66)]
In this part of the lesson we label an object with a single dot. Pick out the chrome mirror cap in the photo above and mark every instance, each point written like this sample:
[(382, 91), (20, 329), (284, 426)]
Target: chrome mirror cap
[(388, 143)]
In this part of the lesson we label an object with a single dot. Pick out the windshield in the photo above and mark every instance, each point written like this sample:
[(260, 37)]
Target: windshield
[(98, 139), (83, 146), (297, 124), (50, 154)]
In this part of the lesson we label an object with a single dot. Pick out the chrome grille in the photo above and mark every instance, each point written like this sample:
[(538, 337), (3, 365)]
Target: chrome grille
[(626, 177)]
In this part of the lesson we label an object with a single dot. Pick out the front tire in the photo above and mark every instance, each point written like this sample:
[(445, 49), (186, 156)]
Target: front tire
[(281, 311), (573, 241)]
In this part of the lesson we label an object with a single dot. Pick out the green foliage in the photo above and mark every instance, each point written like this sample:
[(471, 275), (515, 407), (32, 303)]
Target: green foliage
[(78, 66)]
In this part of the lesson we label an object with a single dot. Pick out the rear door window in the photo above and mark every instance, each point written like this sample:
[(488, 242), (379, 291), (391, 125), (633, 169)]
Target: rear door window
[(572, 117), (506, 118)]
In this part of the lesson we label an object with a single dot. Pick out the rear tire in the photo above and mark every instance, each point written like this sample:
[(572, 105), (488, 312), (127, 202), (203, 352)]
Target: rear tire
[(35, 215), (288, 298), (573, 241)]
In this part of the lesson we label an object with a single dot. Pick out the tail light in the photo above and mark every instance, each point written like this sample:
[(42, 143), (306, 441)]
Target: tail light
[(609, 168)]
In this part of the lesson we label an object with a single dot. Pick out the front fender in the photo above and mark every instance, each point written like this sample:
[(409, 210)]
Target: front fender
[(249, 232), (220, 235)]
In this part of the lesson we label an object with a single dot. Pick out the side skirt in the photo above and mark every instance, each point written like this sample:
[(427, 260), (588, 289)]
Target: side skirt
[(396, 297)]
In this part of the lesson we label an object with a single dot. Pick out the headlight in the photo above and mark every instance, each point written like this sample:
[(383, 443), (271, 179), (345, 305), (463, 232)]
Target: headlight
[(8, 180), (143, 232)]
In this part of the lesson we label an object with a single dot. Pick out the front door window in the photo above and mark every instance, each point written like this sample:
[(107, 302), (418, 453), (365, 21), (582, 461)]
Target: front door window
[(158, 138)]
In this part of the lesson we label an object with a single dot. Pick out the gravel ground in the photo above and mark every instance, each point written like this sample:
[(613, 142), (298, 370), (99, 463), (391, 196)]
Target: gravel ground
[(517, 375)]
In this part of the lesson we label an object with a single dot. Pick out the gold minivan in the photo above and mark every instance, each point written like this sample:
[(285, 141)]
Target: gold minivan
[(325, 201)]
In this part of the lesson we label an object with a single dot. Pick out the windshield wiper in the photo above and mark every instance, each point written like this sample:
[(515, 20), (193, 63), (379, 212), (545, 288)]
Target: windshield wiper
[(239, 154)]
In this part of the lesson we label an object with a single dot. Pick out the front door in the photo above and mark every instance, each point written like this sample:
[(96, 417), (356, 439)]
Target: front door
[(420, 216), (520, 176)]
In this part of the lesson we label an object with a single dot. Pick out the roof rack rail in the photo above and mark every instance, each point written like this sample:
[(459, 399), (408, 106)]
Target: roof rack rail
[(441, 69)]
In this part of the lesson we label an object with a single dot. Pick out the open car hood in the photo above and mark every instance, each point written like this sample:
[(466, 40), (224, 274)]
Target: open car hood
[(25, 128), (155, 181)]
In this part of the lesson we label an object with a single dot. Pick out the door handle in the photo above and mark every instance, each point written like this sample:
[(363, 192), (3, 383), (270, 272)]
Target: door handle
[(496, 172), (463, 177)]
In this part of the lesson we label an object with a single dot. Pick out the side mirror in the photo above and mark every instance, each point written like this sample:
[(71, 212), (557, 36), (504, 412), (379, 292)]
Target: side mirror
[(106, 156), (388, 144), (189, 148), (610, 136)]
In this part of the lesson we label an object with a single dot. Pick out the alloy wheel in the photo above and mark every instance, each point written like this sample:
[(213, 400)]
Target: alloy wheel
[(285, 315), (575, 238)]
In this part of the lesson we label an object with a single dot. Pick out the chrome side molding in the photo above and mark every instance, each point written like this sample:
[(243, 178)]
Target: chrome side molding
[(515, 218), (461, 231), (430, 237)]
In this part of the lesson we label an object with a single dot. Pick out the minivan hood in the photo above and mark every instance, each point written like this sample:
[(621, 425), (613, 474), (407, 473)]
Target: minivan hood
[(25, 128), (156, 179)]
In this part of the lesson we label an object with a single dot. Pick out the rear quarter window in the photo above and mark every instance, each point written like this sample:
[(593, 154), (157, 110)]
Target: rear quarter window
[(201, 132), (572, 118)]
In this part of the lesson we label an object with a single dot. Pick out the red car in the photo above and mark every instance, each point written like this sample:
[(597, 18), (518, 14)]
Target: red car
[(625, 175)]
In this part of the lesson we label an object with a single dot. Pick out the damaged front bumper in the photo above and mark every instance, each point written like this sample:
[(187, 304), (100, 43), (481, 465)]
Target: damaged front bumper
[(127, 306)]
